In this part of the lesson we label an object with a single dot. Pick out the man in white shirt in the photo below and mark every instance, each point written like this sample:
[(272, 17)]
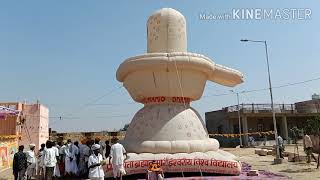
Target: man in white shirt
[(308, 147), (71, 167), (77, 152), (95, 164), (41, 167), (55, 147), (62, 156), (281, 146), (31, 162), (49, 160), (116, 156)]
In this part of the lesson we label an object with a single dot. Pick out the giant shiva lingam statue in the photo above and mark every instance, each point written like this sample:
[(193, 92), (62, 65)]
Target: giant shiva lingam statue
[(166, 79)]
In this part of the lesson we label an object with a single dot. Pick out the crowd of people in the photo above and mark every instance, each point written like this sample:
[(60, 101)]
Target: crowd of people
[(69, 159)]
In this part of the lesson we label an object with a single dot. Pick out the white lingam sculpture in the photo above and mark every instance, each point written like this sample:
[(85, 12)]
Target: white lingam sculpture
[(166, 79)]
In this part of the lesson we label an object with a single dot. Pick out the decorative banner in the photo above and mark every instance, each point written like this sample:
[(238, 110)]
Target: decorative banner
[(10, 111), (181, 165)]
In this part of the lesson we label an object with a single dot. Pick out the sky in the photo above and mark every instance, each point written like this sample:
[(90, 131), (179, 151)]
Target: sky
[(65, 54)]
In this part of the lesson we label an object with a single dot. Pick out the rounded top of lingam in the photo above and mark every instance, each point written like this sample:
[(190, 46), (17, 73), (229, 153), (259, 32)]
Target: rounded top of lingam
[(168, 73), (166, 31)]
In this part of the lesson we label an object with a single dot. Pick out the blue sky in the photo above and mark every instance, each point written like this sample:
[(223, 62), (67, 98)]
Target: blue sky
[(66, 53)]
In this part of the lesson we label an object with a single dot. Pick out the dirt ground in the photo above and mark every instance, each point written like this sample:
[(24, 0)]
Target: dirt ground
[(294, 170)]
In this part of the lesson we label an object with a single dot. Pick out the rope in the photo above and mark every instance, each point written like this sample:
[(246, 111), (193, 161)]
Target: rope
[(180, 85)]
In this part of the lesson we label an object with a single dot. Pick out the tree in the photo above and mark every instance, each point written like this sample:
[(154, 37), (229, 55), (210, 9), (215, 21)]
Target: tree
[(295, 134), (313, 126)]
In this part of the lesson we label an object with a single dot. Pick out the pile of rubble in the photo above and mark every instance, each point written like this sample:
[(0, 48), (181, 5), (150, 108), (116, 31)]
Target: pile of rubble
[(292, 157), (264, 152)]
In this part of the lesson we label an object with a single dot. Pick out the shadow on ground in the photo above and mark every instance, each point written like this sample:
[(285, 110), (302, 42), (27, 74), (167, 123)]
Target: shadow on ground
[(299, 171)]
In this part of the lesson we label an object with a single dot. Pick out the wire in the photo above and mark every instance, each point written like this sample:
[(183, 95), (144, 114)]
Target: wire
[(111, 104), (104, 95), (296, 83), (98, 117), (223, 94), (94, 101)]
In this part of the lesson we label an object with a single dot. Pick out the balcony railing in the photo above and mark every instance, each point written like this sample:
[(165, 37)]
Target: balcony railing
[(262, 108)]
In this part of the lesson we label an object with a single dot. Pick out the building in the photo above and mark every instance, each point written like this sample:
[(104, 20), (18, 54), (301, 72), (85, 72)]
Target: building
[(35, 125), (28, 124), (258, 118)]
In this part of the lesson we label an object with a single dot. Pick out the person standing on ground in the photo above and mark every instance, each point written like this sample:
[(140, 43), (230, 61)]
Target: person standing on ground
[(155, 171), (19, 164), (41, 168), (50, 161), (31, 162), (108, 147), (251, 141), (116, 156), (76, 143), (56, 172), (91, 143), (308, 147), (281, 146), (265, 140), (84, 155), (62, 156), (71, 167), (95, 164)]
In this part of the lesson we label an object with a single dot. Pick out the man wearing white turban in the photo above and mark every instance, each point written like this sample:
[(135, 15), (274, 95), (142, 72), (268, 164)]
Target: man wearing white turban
[(31, 162), (95, 164)]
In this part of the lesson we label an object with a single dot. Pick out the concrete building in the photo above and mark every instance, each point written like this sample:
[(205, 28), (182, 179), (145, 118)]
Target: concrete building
[(31, 125), (258, 118)]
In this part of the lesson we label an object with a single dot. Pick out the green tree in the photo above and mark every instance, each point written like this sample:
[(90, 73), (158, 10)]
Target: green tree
[(312, 126), (295, 134)]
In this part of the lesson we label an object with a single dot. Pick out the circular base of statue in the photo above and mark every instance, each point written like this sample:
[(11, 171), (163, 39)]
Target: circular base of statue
[(168, 128), (217, 162)]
